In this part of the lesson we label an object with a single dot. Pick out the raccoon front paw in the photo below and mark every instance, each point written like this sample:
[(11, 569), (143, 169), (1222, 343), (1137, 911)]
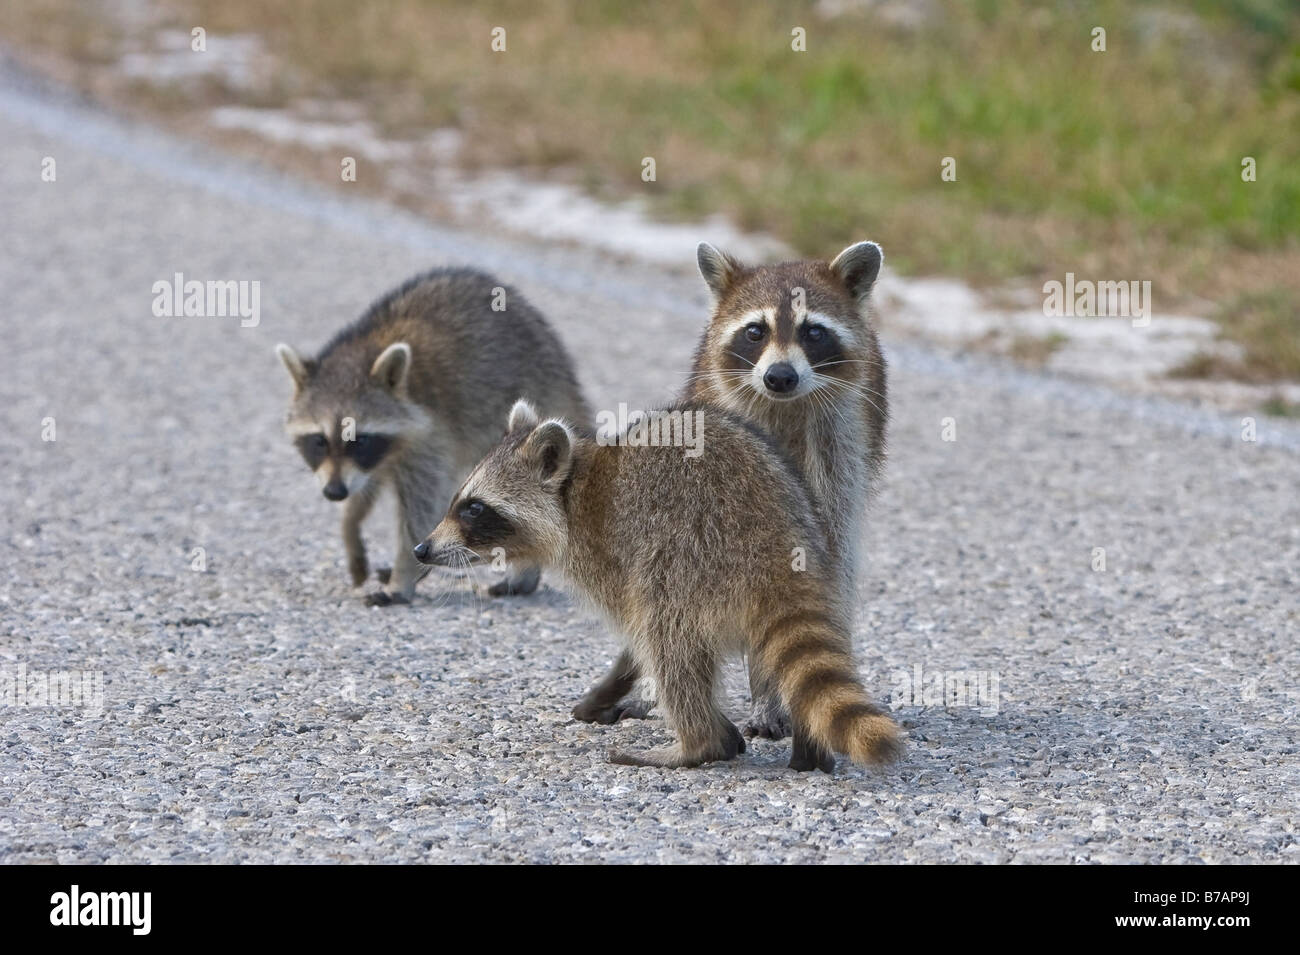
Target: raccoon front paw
[(382, 598), (768, 720), (733, 744), (359, 570), (629, 708)]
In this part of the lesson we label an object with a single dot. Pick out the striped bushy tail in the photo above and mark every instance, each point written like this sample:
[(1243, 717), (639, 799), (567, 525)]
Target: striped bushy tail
[(807, 656)]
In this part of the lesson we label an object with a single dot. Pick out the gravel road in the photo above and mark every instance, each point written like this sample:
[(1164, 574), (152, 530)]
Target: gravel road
[(255, 711)]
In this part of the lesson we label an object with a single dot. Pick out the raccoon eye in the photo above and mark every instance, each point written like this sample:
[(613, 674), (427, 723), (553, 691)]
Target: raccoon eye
[(814, 333), (755, 332), (367, 450), (313, 448), (481, 525)]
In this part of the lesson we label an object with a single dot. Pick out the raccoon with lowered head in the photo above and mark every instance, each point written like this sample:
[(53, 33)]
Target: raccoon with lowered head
[(669, 550), (408, 397), (791, 348)]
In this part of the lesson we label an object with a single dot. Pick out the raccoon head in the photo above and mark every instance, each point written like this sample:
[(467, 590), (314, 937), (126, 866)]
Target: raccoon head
[(351, 422), (784, 332), (512, 503)]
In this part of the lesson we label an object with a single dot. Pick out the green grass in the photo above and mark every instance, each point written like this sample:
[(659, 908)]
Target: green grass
[(1280, 407)]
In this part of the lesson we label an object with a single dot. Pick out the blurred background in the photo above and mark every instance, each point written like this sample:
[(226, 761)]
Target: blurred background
[(1116, 160)]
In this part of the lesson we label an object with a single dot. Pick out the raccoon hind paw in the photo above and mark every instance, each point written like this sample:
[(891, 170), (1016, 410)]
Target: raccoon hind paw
[(664, 757), (728, 746), (805, 759)]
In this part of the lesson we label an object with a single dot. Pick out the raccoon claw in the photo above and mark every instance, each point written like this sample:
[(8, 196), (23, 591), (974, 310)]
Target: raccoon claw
[(381, 598), (383, 574)]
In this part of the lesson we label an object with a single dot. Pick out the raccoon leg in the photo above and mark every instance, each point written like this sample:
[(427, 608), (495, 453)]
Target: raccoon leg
[(686, 694), (355, 510), (416, 516), (606, 702), (807, 755), (520, 585), (406, 573), (768, 717)]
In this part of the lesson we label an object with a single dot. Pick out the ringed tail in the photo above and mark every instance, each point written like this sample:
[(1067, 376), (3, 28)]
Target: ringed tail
[(809, 658)]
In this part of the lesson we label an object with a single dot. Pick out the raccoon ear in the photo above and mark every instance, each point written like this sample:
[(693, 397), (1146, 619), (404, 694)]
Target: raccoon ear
[(858, 266), (523, 417), (297, 368), (550, 448), (718, 268), (391, 366)]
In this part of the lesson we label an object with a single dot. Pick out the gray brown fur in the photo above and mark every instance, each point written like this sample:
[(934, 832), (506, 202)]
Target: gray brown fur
[(834, 431), (688, 559), (440, 400)]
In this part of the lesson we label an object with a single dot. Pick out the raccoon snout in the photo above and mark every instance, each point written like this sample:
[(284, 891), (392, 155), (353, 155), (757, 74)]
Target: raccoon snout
[(335, 490), (450, 555), (781, 378)]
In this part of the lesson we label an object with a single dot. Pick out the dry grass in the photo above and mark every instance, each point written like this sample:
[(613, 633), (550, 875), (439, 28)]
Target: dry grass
[(1035, 350), (1266, 325)]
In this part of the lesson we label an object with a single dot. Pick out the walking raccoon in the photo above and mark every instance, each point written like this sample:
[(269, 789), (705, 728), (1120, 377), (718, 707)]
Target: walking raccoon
[(407, 398), (689, 558)]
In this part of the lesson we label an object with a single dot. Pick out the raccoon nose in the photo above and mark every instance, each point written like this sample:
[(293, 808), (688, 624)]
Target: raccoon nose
[(335, 490), (781, 377), (422, 550)]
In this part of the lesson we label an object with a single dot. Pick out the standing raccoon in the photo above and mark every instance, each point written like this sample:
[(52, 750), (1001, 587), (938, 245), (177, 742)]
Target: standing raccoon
[(406, 398), (669, 550), (791, 348)]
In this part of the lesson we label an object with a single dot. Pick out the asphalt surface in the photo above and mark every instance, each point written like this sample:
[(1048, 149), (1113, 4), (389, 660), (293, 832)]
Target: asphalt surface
[(255, 711)]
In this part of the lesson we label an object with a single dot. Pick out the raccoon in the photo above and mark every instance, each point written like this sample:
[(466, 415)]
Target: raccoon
[(791, 348), (690, 559), (406, 398)]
